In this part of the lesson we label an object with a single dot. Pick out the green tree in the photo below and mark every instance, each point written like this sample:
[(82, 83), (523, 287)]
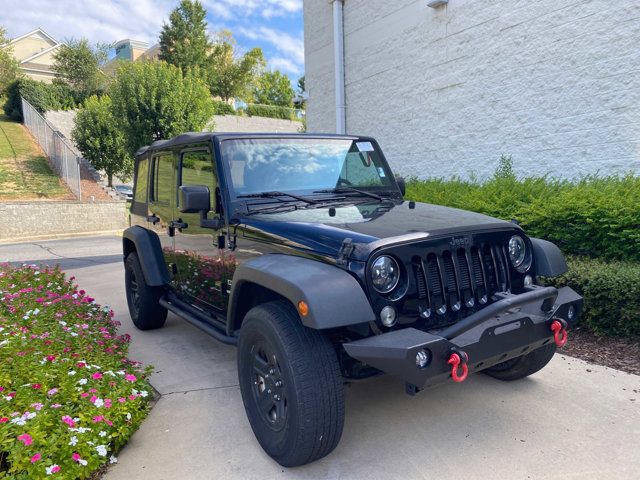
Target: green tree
[(184, 41), (98, 138), (155, 100), (230, 74), (302, 89), (78, 65), (9, 66), (273, 88)]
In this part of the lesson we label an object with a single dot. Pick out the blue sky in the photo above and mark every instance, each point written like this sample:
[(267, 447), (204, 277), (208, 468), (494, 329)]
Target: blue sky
[(274, 25)]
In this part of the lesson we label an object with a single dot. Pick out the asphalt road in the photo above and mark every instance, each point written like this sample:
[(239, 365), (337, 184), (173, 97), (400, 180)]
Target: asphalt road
[(571, 420)]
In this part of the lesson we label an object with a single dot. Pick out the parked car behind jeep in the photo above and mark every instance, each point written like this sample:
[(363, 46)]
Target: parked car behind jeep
[(301, 250)]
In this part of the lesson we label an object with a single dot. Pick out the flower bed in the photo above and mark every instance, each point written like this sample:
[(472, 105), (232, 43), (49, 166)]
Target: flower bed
[(69, 397)]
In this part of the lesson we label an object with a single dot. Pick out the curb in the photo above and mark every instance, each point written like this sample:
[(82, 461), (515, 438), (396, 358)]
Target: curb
[(62, 236)]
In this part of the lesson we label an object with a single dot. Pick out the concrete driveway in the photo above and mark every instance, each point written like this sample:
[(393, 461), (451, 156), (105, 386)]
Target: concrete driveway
[(572, 420)]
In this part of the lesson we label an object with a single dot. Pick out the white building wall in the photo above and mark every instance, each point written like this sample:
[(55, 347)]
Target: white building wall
[(446, 91)]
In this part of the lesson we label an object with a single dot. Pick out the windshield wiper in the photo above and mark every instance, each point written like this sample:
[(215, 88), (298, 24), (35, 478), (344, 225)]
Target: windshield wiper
[(276, 195), (351, 190)]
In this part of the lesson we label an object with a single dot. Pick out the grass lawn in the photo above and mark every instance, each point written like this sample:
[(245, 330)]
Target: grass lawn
[(24, 171)]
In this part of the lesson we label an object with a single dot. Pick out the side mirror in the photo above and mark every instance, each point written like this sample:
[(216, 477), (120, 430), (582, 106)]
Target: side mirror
[(401, 184), (194, 199)]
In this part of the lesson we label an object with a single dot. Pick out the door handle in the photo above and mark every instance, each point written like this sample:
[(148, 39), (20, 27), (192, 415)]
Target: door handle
[(179, 224), (153, 219)]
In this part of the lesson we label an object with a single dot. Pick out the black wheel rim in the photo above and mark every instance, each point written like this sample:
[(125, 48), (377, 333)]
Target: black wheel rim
[(268, 385), (134, 292)]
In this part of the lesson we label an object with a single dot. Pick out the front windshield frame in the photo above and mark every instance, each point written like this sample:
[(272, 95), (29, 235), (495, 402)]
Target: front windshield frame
[(391, 188)]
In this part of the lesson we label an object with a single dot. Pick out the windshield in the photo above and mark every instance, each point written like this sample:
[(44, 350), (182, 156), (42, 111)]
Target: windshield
[(304, 164)]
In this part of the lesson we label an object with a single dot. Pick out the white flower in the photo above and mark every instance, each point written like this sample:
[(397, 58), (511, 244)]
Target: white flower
[(82, 381), (36, 311), (8, 399), (102, 450), (113, 459), (63, 323), (29, 415), (128, 416), (83, 429), (72, 372), (73, 334), (49, 470), (99, 402), (144, 393), (19, 421), (90, 443), (74, 441)]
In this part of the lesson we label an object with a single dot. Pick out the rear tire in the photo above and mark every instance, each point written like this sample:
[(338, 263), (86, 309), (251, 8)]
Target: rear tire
[(523, 366), (291, 385), (143, 300)]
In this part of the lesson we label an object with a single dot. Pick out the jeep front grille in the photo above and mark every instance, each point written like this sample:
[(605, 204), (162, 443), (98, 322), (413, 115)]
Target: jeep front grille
[(460, 279)]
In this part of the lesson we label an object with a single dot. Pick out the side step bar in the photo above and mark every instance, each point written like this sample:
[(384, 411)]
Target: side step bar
[(197, 319)]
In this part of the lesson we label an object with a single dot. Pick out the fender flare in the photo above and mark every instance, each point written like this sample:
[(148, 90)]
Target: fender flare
[(147, 246), (334, 296), (548, 258)]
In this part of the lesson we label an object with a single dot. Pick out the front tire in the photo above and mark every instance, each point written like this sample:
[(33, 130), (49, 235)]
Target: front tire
[(291, 385), (142, 299), (523, 366)]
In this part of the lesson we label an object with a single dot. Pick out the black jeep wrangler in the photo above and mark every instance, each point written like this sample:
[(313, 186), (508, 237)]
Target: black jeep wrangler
[(300, 250)]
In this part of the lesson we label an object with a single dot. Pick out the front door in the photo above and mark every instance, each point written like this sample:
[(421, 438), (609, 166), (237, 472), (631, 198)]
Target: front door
[(203, 263), (162, 202)]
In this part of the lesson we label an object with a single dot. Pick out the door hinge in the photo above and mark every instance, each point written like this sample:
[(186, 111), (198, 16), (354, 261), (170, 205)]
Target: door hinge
[(345, 251)]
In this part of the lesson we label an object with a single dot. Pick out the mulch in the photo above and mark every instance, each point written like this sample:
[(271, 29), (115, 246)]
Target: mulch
[(614, 352)]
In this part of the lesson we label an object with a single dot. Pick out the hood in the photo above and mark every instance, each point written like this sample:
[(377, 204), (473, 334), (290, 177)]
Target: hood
[(322, 230)]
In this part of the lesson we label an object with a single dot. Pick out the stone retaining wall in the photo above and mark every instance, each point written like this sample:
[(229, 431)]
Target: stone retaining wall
[(50, 218)]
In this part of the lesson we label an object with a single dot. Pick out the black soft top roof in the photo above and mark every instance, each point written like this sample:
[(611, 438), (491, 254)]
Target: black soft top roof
[(199, 137)]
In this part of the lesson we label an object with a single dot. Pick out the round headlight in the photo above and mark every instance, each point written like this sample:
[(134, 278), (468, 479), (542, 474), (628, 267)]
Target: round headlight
[(518, 252), (385, 274)]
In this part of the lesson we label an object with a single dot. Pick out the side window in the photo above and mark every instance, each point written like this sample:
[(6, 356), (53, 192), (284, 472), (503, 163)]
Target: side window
[(163, 184), (196, 168), (142, 180)]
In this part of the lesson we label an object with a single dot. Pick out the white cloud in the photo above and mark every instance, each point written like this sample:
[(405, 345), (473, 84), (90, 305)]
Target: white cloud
[(266, 8), (103, 21), (284, 65), (289, 45)]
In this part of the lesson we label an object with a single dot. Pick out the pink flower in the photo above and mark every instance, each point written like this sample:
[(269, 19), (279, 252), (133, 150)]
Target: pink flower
[(122, 399), (53, 391), (76, 457), (26, 439), (93, 399), (96, 376), (69, 421), (130, 378), (81, 364), (36, 386), (56, 405), (98, 419), (37, 406), (4, 419), (84, 394), (55, 469), (35, 458), (51, 358)]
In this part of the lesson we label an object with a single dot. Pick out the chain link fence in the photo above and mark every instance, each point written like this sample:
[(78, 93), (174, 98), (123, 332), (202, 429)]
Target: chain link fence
[(62, 156)]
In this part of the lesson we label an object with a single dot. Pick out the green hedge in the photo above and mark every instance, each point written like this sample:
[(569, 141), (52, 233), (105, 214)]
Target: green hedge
[(223, 108), (43, 97), (594, 216), (270, 111), (611, 292)]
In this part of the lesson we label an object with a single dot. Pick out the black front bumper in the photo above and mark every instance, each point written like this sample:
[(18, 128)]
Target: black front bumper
[(508, 328)]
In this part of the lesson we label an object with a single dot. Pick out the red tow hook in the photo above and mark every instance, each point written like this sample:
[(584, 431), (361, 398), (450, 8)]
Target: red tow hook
[(559, 333), (456, 361)]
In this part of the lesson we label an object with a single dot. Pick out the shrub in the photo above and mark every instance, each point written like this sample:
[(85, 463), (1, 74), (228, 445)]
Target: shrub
[(611, 292), (69, 398), (595, 216), (223, 108), (270, 111), (42, 96)]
